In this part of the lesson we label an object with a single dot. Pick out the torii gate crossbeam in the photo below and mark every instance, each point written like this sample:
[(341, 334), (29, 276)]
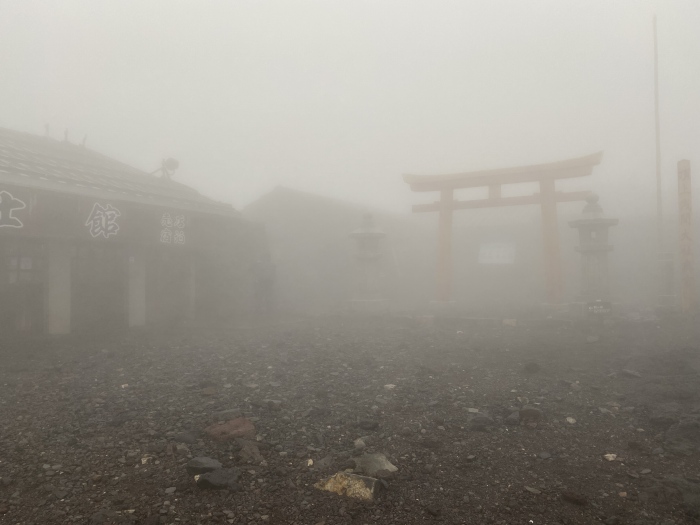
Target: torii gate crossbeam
[(544, 174)]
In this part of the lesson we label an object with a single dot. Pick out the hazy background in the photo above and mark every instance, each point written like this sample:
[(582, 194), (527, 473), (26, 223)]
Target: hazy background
[(340, 98)]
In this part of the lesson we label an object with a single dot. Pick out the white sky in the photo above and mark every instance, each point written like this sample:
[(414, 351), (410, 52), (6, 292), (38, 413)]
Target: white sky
[(342, 97)]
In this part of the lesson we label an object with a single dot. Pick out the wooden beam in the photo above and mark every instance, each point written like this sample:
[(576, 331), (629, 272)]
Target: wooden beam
[(579, 167), (502, 201)]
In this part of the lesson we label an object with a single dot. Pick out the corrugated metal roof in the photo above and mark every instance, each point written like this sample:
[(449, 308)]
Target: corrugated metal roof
[(43, 163)]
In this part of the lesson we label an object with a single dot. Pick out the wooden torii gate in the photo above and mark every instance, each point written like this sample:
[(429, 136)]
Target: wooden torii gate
[(548, 197)]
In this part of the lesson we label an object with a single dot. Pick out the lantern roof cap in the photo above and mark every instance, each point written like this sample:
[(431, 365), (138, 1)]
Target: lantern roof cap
[(368, 228)]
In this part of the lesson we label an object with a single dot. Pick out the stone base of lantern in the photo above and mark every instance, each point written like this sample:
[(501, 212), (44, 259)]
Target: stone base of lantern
[(443, 307), (372, 306)]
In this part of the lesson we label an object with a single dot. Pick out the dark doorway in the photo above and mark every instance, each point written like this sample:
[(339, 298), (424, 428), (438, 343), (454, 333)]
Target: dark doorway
[(22, 286), (99, 287), (169, 287)]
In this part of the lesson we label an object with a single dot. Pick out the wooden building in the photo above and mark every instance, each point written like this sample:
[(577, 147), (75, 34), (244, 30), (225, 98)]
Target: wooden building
[(88, 243)]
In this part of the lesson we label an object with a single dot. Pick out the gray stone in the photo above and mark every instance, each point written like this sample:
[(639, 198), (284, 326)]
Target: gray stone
[(249, 451), (219, 479), (480, 423), (231, 413), (202, 465), (513, 419), (683, 438), (530, 414), (324, 463), (371, 464), (630, 373), (185, 437)]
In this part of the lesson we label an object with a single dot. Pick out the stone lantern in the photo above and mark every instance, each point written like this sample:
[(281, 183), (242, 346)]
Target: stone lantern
[(368, 257), (593, 228)]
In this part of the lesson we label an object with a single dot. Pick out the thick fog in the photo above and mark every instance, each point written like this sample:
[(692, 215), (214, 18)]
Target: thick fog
[(341, 98)]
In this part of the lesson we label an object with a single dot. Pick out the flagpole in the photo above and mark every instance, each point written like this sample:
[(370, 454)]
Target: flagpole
[(659, 205)]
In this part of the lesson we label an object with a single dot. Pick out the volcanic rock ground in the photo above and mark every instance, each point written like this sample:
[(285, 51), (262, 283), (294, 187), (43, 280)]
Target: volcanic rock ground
[(99, 431)]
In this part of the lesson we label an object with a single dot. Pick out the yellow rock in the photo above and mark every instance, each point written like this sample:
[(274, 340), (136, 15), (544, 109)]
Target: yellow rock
[(350, 485)]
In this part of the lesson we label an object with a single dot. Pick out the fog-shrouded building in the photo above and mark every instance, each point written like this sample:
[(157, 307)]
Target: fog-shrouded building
[(498, 266), (88, 243)]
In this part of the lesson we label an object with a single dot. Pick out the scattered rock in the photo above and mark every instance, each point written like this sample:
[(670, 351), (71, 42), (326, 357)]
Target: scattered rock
[(236, 428), (626, 372), (202, 465), (223, 415), (530, 414), (370, 464), (531, 368), (106, 517), (513, 419), (219, 479), (351, 486), (249, 451), (575, 498), (324, 463), (185, 437), (683, 438), (368, 424), (481, 423), (433, 510)]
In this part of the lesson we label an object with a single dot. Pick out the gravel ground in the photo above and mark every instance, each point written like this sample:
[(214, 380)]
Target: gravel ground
[(534, 424)]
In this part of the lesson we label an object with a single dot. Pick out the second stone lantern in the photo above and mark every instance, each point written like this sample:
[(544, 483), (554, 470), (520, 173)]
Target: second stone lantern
[(367, 291), (593, 231)]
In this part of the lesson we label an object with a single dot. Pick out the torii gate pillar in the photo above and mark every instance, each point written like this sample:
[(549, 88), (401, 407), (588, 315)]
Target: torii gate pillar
[(550, 242), (444, 273)]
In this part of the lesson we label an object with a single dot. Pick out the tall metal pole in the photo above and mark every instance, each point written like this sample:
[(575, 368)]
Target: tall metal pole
[(666, 266), (659, 206)]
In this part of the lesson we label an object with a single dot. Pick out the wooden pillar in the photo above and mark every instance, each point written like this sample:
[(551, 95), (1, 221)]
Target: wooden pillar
[(444, 275), (685, 237), (136, 290), (550, 240), (59, 288)]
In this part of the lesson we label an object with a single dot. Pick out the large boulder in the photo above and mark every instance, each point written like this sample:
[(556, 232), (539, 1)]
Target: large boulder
[(202, 465)]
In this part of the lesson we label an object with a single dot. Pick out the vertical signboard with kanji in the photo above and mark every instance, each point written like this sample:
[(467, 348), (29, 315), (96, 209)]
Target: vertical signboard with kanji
[(173, 227)]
